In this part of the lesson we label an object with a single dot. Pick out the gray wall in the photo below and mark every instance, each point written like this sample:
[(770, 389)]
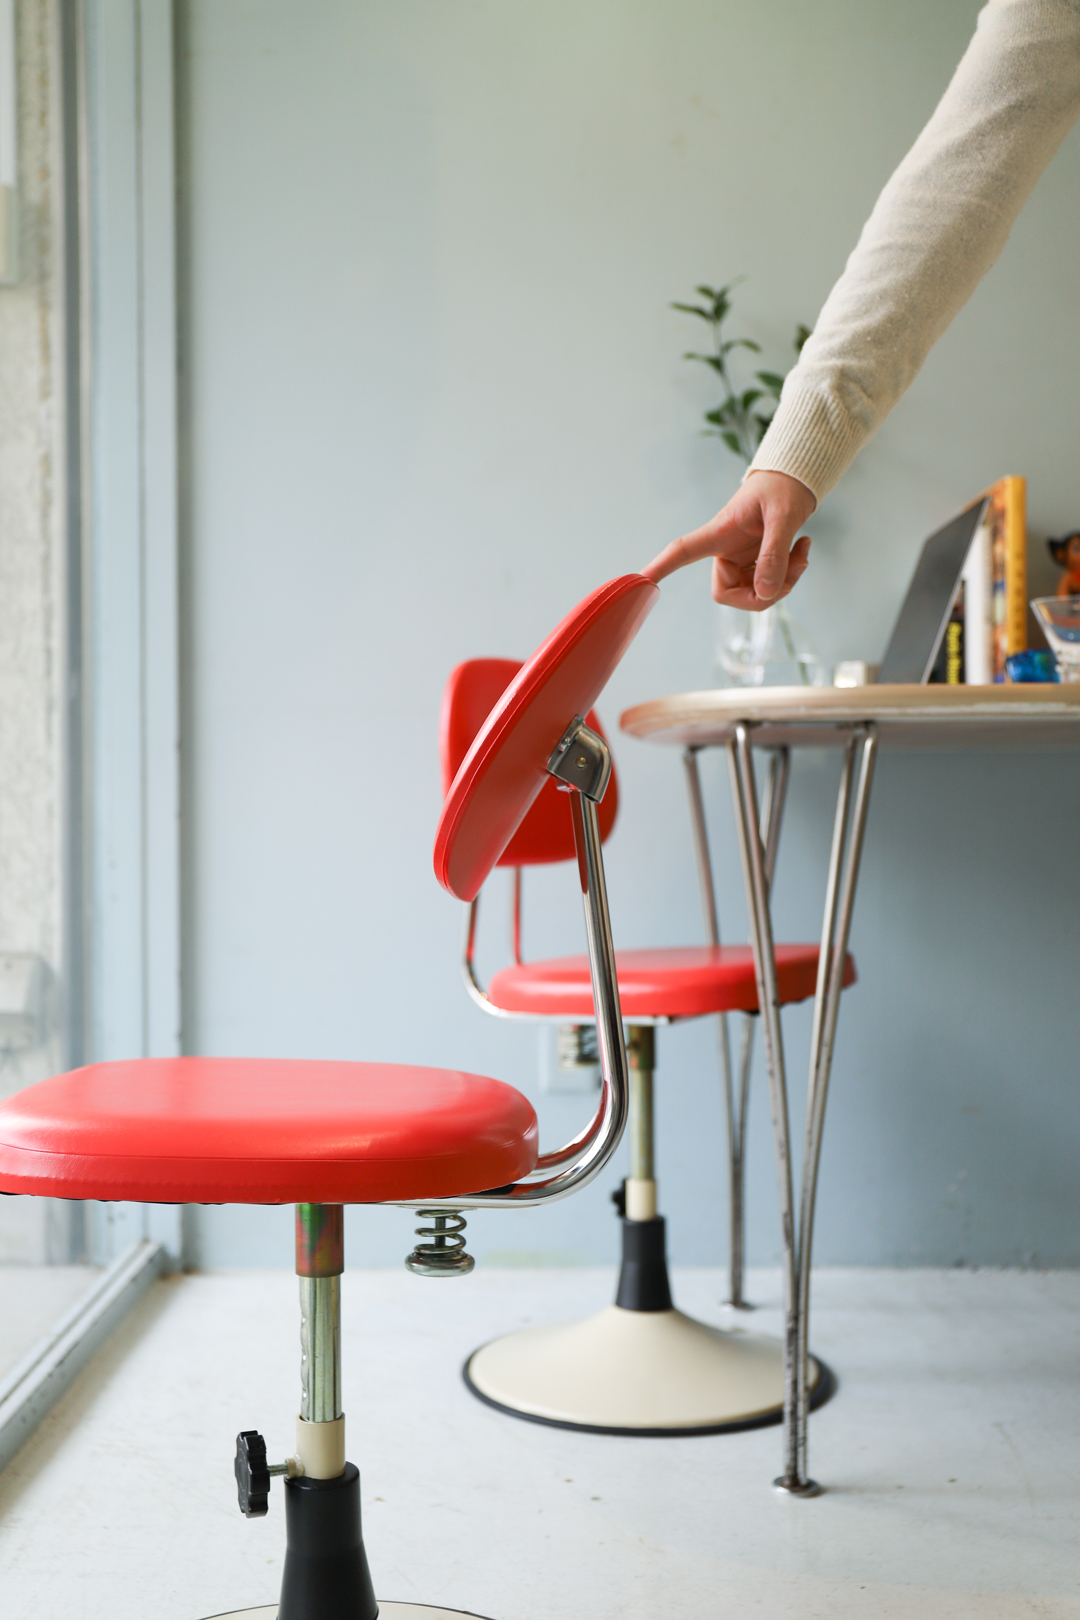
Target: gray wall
[(431, 394)]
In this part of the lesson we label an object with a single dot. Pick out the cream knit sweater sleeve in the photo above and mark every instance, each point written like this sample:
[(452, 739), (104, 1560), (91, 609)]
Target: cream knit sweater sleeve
[(936, 229)]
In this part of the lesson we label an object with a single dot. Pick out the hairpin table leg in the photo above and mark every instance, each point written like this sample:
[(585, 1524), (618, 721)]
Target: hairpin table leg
[(839, 905), (736, 1098), (744, 793), (843, 878)]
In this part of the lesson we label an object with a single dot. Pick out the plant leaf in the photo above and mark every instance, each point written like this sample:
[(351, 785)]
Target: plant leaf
[(772, 380), (695, 309), (718, 298), (740, 343), (751, 397), (801, 334), (732, 443)]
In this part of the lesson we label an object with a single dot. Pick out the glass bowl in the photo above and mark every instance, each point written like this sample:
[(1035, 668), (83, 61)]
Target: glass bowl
[(1060, 619)]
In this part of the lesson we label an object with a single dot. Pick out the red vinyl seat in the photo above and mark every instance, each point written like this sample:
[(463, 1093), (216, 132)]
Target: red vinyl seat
[(263, 1131), (685, 981)]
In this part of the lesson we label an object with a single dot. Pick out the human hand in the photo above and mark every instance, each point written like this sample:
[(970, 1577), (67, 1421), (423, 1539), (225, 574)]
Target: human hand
[(750, 542)]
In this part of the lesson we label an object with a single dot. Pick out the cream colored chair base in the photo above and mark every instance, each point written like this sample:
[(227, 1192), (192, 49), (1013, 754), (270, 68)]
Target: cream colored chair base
[(387, 1611), (636, 1372)]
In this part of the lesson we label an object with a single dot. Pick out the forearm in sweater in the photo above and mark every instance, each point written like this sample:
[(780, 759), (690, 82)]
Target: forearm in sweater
[(936, 229)]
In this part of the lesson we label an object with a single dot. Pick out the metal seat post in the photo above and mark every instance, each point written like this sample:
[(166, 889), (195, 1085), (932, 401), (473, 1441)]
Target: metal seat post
[(326, 1575), (641, 1185), (320, 1260), (644, 1284)]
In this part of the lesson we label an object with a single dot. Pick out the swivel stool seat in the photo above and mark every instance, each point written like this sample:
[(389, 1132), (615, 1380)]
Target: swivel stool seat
[(321, 1135), (640, 1366)]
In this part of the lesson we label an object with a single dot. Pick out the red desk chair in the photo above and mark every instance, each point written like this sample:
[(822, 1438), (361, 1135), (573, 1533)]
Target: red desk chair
[(321, 1135), (640, 1366)]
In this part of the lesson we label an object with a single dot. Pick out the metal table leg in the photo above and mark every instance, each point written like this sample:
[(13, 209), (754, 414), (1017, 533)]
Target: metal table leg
[(735, 1100), (848, 831)]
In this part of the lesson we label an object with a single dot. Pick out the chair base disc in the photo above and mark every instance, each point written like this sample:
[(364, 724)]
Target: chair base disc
[(638, 1372), (391, 1611)]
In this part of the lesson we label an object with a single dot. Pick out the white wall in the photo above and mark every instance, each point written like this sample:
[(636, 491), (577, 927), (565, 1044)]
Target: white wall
[(431, 393)]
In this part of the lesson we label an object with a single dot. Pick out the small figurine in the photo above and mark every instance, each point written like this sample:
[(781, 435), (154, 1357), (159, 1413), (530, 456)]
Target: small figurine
[(1066, 553)]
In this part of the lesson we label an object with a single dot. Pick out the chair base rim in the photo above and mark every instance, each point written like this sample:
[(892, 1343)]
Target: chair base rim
[(392, 1611), (685, 1378)]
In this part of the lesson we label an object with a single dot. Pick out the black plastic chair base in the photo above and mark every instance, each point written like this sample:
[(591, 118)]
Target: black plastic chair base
[(326, 1570), (643, 1277)]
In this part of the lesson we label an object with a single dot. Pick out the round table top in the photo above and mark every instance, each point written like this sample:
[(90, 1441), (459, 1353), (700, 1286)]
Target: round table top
[(920, 717)]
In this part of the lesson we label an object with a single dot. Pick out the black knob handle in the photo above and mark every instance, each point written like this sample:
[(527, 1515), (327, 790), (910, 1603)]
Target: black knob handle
[(252, 1474)]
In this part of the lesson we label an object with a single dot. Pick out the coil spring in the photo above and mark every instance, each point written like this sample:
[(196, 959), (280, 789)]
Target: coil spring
[(443, 1254)]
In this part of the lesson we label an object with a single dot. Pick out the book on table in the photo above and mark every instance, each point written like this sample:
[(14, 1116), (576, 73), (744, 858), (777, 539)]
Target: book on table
[(965, 610)]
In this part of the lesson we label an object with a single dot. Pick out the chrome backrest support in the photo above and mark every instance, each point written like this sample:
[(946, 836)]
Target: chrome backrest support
[(582, 1159), (515, 921), (468, 966)]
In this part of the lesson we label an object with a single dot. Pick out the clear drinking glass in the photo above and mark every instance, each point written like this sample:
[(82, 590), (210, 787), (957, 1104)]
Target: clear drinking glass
[(744, 643), (770, 649), (1060, 619)]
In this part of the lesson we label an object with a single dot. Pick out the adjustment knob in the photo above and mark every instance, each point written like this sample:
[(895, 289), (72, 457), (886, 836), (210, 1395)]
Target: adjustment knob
[(252, 1474)]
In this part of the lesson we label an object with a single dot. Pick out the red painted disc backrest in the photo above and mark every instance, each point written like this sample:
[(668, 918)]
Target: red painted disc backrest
[(506, 766), (547, 832)]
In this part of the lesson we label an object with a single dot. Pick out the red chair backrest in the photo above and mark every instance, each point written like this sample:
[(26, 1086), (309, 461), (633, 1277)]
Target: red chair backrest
[(547, 832), (506, 766)]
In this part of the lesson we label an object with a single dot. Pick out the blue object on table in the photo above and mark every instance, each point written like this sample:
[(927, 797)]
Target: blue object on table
[(1036, 664)]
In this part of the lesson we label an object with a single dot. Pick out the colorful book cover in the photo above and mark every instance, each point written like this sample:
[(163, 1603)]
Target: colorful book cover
[(988, 620), (978, 588), (948, 667), (1006, 518)]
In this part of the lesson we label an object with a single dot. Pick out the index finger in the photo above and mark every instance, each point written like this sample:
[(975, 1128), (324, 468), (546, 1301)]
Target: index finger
[(690, 548)]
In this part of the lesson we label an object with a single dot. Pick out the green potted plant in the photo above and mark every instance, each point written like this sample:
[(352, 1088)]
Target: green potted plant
[(739, 421)]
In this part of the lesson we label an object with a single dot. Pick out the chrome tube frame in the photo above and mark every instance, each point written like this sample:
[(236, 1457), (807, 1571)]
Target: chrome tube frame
[(848, 834), (468, 969), (736, 1101), (515, 923), (478, 994), (579, 1161), (468, 956)]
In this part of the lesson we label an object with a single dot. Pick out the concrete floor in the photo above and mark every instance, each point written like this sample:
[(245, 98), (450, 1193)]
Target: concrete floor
[(32, 1300), (950, 1454)]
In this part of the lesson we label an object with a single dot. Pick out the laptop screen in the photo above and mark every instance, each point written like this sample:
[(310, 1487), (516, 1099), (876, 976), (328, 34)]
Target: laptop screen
[(916, 637)]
